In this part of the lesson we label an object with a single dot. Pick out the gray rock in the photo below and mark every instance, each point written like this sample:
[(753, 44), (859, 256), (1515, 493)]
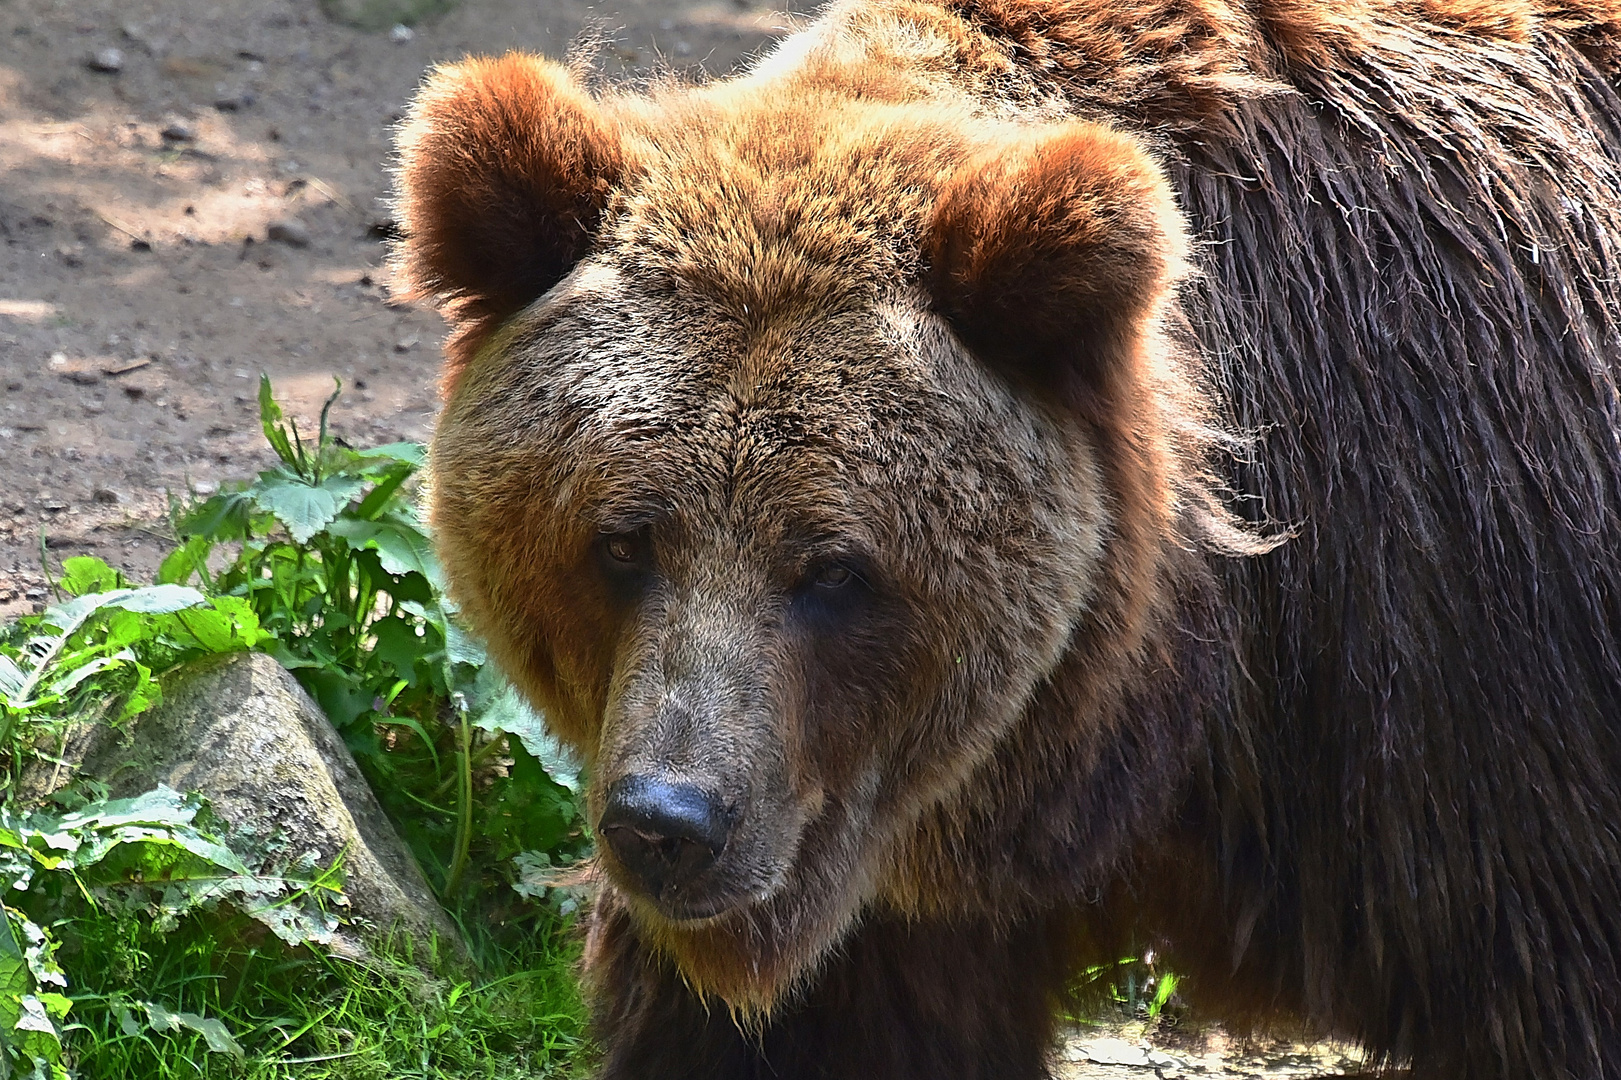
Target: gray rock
[(240, 729), (109, 61), (235, 100), (178, 130), (289, 231)]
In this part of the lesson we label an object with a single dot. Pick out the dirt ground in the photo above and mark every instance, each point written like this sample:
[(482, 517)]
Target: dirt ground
[(141, 293), (1141, 1050)]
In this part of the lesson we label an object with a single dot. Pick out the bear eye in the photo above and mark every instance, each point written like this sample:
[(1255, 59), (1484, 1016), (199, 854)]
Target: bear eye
[(832, 592), (832, 576), (623, 547), (627, 551)]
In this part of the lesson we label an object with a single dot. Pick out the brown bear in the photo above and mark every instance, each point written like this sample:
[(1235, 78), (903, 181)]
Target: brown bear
[(1001, 482)]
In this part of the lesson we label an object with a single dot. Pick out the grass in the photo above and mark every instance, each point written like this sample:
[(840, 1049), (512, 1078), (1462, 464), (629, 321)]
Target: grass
[(313, 1015)]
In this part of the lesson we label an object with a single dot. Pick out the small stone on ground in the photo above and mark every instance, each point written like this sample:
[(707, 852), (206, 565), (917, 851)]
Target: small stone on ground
[(108, 61), (289, 231)]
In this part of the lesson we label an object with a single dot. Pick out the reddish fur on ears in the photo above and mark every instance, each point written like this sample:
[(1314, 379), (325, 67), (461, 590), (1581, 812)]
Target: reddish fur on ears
[(505, 167), (1053, 252)]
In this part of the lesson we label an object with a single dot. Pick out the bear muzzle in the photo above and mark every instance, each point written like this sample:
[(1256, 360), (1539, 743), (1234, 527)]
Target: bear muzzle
[(666, 836)]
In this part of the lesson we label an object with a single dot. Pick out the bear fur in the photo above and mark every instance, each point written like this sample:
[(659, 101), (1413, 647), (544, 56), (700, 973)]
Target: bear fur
[(1046, 478)]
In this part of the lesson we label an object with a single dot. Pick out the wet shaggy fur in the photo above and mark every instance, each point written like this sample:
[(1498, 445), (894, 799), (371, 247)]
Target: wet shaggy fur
[(1215, 409)]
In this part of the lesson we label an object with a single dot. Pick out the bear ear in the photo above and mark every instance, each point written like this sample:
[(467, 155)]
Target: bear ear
[(505, 168), (1053, 254)]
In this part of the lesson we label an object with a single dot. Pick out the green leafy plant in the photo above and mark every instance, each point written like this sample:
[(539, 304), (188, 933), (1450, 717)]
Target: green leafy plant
[(328, 551), (32, 1008), (321, 1015), (139, 942), (156, 857), (337, 569), (1136, 985), (99, 648)]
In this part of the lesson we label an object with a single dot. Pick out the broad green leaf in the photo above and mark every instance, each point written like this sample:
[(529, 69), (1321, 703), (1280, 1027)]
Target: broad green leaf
[(14, 977), (214, 1033), (304, 508), (158, 599), (240, 611), (389, 480), (87, 574), (122, 628), (35, 1017), (507, 711), (558, 760), (225, 516), (338, 692), (535, 874), (529, 811), (357, 532), (401, 587), (40, 953), (163, 805), (66, 618), (412, 453), (228, 624), (84, 671), (294, 662), (55, 1004), (71, 614), (126, 1022), (189, 558), (213, 630), (404, 549), (399, 646), (143, 695), (11, 676), (186, 839), (460, 648), (343, 487)]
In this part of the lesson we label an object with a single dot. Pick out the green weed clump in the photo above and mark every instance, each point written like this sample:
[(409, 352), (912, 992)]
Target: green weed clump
[(137, 942)]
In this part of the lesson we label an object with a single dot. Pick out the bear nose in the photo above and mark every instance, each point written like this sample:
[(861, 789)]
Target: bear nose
[(665, 834)]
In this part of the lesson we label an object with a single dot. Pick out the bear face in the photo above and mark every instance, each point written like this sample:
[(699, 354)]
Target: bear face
[(786, 496), (696, 605)]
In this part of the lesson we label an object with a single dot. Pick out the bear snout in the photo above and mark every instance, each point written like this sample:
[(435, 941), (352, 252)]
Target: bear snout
[(665, 835)]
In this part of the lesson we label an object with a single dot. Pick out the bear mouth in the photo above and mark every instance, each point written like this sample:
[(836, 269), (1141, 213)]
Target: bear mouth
[(698, 901), (702, 899), (681, 880)]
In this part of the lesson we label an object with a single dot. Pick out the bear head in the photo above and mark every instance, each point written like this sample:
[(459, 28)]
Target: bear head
[(789, 447)]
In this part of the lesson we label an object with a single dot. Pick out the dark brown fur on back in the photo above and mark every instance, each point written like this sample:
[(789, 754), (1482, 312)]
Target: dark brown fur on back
[(1455, 670), (1266, 612)]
